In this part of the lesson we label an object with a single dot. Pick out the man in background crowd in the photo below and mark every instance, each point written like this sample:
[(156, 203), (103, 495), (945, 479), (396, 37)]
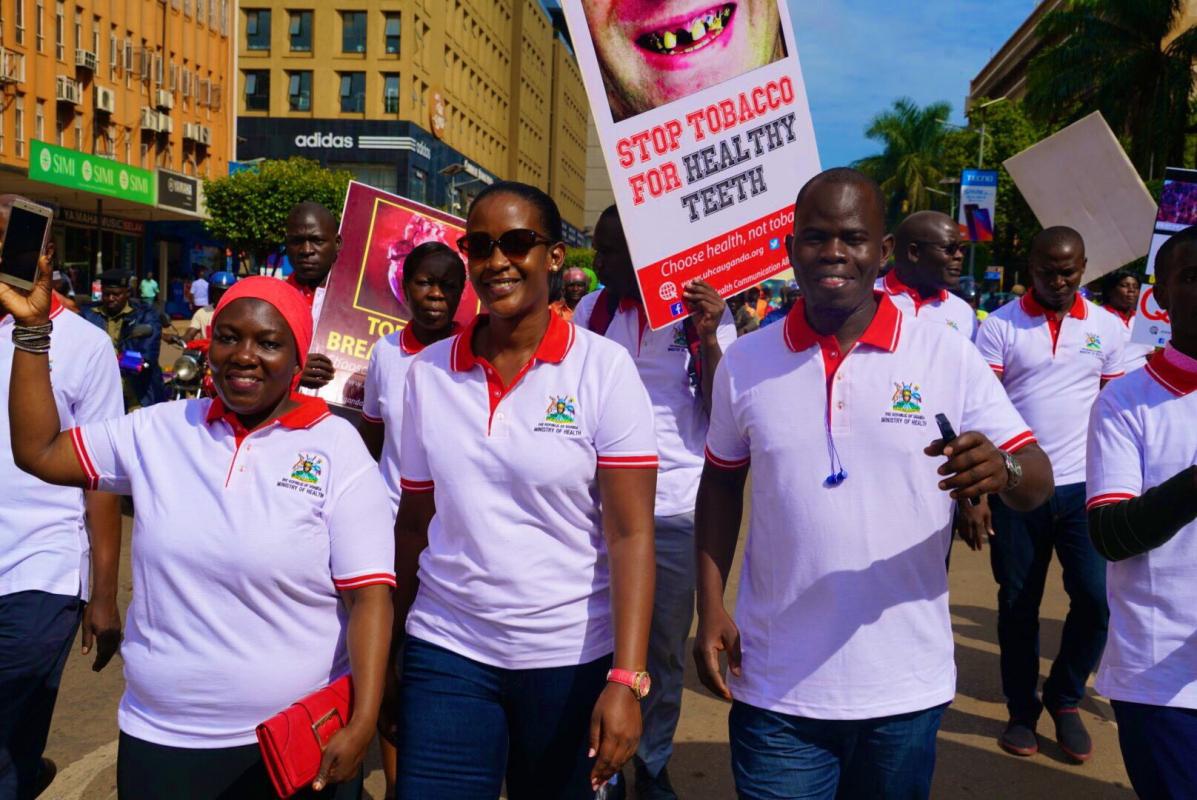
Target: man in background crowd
[(928, 260), (574, 285), (313, 244), (199, 288), (135, 330)]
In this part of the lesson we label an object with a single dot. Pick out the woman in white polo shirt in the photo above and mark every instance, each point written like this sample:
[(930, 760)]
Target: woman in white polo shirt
[(262, 550), (528, 465)]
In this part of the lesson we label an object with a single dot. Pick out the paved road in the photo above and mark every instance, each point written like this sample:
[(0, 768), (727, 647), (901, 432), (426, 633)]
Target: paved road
[(83, 738)]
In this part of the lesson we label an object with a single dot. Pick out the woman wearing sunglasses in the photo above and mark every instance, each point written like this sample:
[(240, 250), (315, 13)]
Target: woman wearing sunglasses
[(528, 469), (262, 550)]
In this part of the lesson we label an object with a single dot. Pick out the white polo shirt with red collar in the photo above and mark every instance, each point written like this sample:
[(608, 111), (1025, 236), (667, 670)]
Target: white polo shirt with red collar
[(843, 603), (44, 545), (1143, 431), (242, 542), (1052, 370), (943, 306), (662, 358), (1134, 354), (515, 574), (389, 362)]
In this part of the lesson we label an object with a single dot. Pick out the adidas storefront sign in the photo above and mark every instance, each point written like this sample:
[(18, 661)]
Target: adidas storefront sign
[(324, 140)]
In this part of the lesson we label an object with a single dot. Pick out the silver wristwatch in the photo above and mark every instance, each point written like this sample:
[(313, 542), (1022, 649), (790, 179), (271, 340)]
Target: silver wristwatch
[(1013, 471)]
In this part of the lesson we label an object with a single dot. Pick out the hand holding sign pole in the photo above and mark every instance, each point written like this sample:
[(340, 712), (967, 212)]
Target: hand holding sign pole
[(706, 131)]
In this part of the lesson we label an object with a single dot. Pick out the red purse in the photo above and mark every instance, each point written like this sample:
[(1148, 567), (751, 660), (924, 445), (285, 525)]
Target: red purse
[(293, 740)]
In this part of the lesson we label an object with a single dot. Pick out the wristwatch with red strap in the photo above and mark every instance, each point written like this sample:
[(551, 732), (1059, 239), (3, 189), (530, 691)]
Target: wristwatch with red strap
[(638, 682)]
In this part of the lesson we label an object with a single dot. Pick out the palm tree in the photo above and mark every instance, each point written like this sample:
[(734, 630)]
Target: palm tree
[(1110, 56), (913, 139)]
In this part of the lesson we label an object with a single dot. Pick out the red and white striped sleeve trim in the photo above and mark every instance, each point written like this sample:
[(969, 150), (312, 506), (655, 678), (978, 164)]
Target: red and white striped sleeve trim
[(997, 368), (1018, 442), (1108, 499), (723, 463), (416, 487), (85, 459), (370, 418), (1113, 375), (369, 579), (646, 461)]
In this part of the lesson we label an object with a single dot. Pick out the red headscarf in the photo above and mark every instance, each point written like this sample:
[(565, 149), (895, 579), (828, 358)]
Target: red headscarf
[(285, 299)]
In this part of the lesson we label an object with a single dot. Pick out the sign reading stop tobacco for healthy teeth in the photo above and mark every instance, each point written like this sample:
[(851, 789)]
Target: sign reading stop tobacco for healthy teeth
[(703, 118)]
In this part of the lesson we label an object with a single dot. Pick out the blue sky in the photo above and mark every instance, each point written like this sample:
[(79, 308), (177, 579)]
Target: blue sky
[(858, 56)]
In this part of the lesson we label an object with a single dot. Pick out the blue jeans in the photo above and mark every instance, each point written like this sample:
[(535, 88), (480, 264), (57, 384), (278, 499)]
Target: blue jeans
[(673, 611), (36, 633), (1159, 746), (463, 726), (1020, 553), (778, 756)]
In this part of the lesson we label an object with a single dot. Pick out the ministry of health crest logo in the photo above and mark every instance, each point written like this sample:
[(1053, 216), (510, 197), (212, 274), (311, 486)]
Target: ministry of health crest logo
[(561, 410), (559, 417), (907, 398), (308, 469), (1093, 342)]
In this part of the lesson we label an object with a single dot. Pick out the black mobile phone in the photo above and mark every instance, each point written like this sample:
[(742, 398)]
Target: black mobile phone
[(948, 433), (24, 241)]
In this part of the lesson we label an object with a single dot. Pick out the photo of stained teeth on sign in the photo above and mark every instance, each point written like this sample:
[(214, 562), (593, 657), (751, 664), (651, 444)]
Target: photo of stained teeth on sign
[(652, 52)]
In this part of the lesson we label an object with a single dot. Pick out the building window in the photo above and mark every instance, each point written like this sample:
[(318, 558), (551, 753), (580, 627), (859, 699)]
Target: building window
[(39, 26), (301, 31), (353, 91), (392, 34), (78, 134), (19, 125), (95, 37), (39, 120), (390, 93), (78, 28), (257, 29), (418, 185), (20, 19), (353, 31), (257, 90), (299, 90), (59, 30)]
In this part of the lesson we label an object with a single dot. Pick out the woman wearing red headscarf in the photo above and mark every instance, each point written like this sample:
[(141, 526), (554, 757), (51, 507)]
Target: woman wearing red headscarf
[(262, 549)]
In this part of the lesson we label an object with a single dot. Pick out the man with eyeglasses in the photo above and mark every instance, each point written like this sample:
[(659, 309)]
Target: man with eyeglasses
[(928, 258)]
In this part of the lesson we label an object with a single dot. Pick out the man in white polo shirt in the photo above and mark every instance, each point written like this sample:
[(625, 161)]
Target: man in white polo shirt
[(1142, 487), (841, 651), (928, 256), (677, 366), (1053, 351), (44, 553)]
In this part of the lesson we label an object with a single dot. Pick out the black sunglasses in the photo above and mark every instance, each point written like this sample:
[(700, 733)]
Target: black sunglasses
[(516, 243), (951, 248)]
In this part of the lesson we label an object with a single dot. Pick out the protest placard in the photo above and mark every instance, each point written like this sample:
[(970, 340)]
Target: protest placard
[(1082, 178), (706, 131), (364, 297), (1177, 211)]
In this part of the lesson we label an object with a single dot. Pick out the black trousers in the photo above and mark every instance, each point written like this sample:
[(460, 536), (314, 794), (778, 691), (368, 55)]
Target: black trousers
[(147, 771)]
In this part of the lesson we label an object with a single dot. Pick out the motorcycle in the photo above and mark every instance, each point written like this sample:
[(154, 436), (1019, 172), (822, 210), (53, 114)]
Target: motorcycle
[(189, 375)]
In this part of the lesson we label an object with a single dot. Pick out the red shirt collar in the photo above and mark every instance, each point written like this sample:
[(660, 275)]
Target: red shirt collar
[(883, 331), (1126, 318), (308, 292), (410, 345), (1079, 310), (1174, 371), (558, 338), (307, 413), (894, 285)]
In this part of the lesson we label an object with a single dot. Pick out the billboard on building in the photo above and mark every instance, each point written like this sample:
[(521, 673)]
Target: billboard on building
[(364, 299), (1177, 211), (978, 204), (706, 131)]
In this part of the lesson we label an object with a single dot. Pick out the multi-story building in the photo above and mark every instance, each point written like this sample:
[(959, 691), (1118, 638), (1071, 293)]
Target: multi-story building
[(432, 99), (112, 111)]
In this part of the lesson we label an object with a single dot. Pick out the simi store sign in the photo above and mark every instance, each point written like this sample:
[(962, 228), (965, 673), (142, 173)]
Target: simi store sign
[(75, 170)]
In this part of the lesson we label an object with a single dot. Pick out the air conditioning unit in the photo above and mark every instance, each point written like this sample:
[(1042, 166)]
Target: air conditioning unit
[(149, 119), (165, 124), (67, 90), (205, 135), (164, 99), (12, 66), (105, 100), (191, 131), (86, 59)]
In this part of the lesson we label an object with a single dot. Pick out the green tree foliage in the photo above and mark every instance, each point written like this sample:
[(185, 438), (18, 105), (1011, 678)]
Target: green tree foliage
[(1110, 56), (1008, 131), (911, 161), (249, 209)]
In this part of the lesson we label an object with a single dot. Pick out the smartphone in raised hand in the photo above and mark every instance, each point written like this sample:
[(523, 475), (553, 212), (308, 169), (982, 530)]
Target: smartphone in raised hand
[(25, 239)]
